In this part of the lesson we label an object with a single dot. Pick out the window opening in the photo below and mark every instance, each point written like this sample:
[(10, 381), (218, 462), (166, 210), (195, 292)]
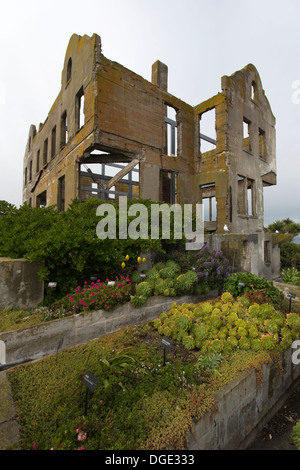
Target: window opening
[(253, 91), (61, 194), (172, 135), (207, 128), (69, 69), (262, 143), (45, 153), (25, 176), (63, 129), (94, 177), (30, 170), (168, 186), (209, 202), (53, 142), (267, 251), (246, 196), (246, 135), (41, 199), (38, 161), (79, 109)]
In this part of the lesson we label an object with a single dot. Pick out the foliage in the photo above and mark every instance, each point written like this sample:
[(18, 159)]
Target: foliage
[(284, 226), (291, 276), (165, 278), (138, 403), (99, 295), (211, 267), (67, 243), (229, 325), (290, 255), (252, 283)]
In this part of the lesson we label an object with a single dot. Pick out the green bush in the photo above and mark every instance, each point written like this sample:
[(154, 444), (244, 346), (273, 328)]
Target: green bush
[(252, 283), (67, 243), (291, 276), (296, 435)]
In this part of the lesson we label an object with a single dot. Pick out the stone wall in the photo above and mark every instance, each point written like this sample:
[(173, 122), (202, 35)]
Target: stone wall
[(19, 283)]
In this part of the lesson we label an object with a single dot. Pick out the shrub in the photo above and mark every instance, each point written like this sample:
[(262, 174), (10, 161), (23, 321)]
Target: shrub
[(291, 276), (252, 282)]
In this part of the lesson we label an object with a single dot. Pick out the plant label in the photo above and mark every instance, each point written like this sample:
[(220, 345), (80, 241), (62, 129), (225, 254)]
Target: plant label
[(166, 343), (90, 381)]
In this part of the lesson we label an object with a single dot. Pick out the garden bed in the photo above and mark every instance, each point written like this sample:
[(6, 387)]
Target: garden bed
[(48, 337)]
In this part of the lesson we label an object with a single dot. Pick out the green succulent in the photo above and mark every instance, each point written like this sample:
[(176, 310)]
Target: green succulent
[(271, 326), (241, 332), (189, 342), (215, 321), (244, 343), (206, 308), (184, 322), (232, 340), (253, 332), (138, 300), (226, 297), (144, 289), (167, 331), (217, 345), (293, 321), (268, 342), (256, 344)]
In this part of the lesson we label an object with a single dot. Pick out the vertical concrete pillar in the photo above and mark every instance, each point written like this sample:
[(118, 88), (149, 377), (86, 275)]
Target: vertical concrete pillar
[(160, 75)]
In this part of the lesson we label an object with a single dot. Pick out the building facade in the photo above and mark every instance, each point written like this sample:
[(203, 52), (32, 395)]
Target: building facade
[(110, 132)]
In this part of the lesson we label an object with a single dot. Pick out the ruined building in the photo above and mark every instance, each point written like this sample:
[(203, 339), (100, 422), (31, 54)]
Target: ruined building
[(110, 132)]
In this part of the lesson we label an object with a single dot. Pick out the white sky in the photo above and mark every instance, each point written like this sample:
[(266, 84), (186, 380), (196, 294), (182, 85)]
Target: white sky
[(199, 40)]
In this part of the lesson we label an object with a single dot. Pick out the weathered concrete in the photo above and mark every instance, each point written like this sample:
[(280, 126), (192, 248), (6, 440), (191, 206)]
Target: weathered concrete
[(49, 337), (244, 407), (19, 283)]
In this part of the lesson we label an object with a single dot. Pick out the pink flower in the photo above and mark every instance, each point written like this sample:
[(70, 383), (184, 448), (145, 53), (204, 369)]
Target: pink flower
[(85, 282), (82, 436), (81, 448), (112, 295)]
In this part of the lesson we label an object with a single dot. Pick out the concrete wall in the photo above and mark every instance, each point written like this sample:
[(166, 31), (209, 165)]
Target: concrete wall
[(49, 337), (19, 283), (244, 407)]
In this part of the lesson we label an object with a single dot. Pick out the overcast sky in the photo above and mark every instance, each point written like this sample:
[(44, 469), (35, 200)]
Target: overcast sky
[(199, 40)]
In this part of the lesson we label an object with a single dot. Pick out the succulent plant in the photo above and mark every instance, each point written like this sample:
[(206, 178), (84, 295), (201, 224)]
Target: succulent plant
[(227, 297), (271, 326), (184, 322), (189, 342), (293, 321), (244, 343), (138, 300), (143, 289), (268, 342)]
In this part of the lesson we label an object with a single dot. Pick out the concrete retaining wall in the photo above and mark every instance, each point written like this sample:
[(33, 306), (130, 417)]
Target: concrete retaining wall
[(19, 283), (244, 407), (49, 337)]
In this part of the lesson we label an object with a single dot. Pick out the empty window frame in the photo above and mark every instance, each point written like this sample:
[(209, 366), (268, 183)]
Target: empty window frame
[(209, 202), (262, 144), (41, 199), (38, 161), (53, 142), (30, 170), (61, 194), (207, 130), (247, 135), (246, 200), (172, 132), (45, 152), (63, 130), (253, 91), (79, 109), (94, 177), (168, 186), (267, 251), (25, 176), (69, 69)]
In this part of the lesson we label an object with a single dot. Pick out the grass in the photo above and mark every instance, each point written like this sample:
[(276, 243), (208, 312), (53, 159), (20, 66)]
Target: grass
[(138, 403)]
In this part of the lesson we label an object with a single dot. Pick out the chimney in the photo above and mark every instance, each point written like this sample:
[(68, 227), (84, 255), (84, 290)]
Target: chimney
[(160, 75)]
